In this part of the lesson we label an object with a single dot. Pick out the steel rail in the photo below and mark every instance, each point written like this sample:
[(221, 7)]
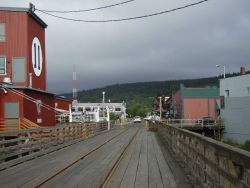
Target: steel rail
[(71, 163), (118, 161)]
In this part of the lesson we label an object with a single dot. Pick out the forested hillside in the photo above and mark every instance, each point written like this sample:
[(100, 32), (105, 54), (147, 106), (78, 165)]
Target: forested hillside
[(139, 96)]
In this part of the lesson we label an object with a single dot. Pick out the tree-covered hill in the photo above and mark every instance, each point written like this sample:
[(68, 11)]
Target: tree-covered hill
[(140, 96)]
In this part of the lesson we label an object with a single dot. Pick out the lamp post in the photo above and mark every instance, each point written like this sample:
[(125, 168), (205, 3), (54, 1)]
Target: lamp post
[(103, 96), (103, 101), (160, 105), (224, 70)]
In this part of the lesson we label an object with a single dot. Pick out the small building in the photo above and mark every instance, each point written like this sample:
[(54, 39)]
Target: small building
[(195, 103), (235, 106), (63, 103), (161, 106), (63, 109), (23, 85), (96, 111), (22, 103)]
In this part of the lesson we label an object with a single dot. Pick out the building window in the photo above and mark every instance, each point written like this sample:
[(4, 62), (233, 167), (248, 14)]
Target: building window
[(2, 65), (226, 93), (2, 32), (117, 109), (87, 109), (222, 102)]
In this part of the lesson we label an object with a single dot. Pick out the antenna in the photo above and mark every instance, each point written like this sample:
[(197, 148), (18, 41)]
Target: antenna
[(74, 83), (32, 7)]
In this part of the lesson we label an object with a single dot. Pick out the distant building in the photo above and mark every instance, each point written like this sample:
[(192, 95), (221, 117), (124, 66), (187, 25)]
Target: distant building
[(195, 103), (94, 111), (62, 103), (235, 106), (160, 105)]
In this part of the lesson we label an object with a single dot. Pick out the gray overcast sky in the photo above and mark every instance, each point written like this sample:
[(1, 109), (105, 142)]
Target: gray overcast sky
[(182, 44)]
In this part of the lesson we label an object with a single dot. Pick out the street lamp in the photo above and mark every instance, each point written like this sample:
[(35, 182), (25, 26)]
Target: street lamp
[(103, 96), (224, 70), (160, 107), (103, 101)]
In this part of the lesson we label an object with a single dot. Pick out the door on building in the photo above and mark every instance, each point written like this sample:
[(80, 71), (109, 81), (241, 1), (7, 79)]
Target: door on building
[(11, 115), (18, 69)]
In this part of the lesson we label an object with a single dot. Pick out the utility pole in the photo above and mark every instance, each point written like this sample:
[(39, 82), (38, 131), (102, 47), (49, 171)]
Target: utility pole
[(160, 105), (103, 101), (108, 117), (74, 83)]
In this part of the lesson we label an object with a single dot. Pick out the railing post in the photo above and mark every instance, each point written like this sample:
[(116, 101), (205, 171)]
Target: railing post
[(19, 122)]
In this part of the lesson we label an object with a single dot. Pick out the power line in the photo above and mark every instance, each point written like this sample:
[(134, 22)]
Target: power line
[(32, 100), (86, 10), (124, 19)]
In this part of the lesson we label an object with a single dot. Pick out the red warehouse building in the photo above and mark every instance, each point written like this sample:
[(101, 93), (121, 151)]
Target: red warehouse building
[(196, 103), (23, 68)]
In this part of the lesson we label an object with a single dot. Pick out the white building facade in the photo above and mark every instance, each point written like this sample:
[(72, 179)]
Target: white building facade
[(235, 107), (99, 111)]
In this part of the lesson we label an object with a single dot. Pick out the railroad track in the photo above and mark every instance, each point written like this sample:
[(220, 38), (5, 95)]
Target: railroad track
[(118, 160), (66, 166)]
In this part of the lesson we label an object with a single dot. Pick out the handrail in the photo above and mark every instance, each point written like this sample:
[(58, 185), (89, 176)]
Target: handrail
[(12, 124), (27, 124), (9, 124), (210, 162), (22, 145), (186, 123)]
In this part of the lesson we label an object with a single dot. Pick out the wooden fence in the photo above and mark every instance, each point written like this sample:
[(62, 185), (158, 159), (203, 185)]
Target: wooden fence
[(210, 162), (23, 145)]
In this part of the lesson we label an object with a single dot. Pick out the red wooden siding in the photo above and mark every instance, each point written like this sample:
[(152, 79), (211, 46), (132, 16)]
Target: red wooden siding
[(197, 108), (36, 30), (62, 104), (177, 104), (15, 44), (10, 97), (20, 30), (30, 108)]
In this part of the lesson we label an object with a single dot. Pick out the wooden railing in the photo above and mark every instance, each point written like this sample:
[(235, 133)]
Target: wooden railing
[(210, 162), (9, 124), (189, 123), (27, 124), (12, 124), (23, 145)]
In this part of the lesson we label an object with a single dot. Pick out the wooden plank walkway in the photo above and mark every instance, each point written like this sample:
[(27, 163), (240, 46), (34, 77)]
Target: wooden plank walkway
[(148, 164), (143, 163)]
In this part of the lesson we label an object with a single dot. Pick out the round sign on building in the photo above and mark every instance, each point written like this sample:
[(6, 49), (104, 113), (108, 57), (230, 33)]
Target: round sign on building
[(37, 58)]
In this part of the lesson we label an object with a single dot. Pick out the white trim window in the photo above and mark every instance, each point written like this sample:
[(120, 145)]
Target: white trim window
[(2, 65), (2, 32)]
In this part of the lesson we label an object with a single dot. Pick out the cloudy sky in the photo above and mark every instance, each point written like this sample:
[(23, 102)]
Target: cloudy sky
[(184, 44)]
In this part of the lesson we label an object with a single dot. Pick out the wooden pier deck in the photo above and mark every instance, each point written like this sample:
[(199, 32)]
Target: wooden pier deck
[(128, 157)]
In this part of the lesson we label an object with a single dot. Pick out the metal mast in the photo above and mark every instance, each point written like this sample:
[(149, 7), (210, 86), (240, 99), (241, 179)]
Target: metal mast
[(74, 86)]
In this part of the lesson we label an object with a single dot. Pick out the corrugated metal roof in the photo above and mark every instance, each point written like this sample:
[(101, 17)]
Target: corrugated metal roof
[(29, 89), (63, 98), (200, 92)]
